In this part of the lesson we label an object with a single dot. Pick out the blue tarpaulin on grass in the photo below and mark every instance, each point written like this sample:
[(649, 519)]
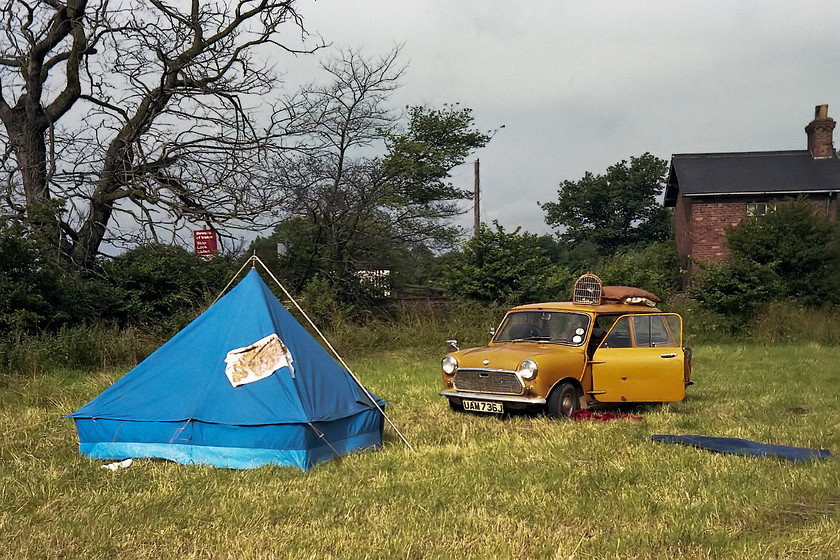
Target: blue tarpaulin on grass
[(746, 447)]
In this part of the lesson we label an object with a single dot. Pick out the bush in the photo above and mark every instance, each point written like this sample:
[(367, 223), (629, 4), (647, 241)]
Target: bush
[(37, 293), (510, 268), (737, 288), (654, 268), (801, 248), (161, 283), (27, 282), (321, 302)]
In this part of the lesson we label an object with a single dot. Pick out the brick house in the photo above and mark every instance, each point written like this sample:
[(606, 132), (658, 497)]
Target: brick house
[(715, 191)]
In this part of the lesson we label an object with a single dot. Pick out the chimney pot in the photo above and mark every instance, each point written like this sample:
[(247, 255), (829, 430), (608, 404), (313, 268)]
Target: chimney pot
[(821, 111)]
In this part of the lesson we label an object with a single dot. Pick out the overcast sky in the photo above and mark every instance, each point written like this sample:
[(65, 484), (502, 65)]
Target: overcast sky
[(581, 85)]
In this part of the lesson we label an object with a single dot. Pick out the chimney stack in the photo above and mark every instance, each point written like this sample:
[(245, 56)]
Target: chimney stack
[(820, 133)]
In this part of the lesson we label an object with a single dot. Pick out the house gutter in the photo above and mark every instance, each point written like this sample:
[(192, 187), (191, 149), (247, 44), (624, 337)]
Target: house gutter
[(762, 193)]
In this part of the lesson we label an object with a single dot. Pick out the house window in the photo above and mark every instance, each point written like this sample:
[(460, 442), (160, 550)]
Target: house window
[(760, 208)]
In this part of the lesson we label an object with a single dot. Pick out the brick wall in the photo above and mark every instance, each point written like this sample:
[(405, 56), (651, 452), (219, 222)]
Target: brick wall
[(709, 221), (682, 230)]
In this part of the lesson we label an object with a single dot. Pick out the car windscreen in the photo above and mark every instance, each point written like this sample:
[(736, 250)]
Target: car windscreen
[(557, 327)]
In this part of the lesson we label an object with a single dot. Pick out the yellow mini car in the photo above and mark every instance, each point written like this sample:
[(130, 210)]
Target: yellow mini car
[(608, 346)]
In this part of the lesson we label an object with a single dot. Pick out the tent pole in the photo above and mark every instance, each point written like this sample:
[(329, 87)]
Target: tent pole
[(334, 351)]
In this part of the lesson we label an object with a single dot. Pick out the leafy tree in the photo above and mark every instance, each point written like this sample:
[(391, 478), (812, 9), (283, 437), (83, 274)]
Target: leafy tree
[(419, 198), (161, 100), (497, 266), (613, 210), (799, 245)]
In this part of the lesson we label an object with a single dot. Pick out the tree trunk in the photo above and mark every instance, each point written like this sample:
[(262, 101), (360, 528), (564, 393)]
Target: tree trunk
[(26, 137), (112, 178)]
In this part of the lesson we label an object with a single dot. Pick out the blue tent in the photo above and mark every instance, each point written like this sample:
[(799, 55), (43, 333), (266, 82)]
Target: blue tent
[(181, 404)]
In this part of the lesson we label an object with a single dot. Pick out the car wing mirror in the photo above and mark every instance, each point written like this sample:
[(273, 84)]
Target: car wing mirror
[(453, 344)]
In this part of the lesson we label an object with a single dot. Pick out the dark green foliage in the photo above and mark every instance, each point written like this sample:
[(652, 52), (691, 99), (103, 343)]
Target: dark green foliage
[(800, 246), (790, 254), (419, 160), (26, 282), (654, 268), (147, 285), (736, 289), (36, 292), (159, 282), (614, 210), (306, 262), (496, 266)]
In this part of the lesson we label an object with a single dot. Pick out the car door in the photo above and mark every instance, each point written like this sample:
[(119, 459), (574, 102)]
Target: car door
[(640, 360)]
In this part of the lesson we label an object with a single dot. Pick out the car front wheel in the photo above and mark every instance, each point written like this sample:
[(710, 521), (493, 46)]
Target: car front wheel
[(563, 401)]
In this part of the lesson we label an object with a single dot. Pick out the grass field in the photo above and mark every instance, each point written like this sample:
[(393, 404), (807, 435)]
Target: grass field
[(475, 486)]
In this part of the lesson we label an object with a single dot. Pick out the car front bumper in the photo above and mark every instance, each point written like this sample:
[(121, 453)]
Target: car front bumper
[(528, 401)]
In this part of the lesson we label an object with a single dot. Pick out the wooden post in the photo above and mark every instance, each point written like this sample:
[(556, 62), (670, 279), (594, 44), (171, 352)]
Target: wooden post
[(477, 215)]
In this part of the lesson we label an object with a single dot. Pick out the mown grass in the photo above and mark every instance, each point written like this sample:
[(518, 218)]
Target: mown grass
[(475, 486)]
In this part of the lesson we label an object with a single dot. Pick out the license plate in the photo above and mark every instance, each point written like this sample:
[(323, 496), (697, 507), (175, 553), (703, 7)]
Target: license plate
[(484, 406)]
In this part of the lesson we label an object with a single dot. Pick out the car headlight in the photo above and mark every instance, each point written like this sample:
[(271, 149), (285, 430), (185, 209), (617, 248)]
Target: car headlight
[(528, 369), (449, 364)]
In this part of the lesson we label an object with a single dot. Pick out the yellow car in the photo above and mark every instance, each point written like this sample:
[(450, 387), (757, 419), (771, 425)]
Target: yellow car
[(608, 346)]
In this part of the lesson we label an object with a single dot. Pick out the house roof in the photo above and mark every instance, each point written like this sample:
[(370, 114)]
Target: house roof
[(777, 173)]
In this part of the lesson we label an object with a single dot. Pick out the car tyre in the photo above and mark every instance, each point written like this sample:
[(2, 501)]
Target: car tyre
[(563, 401), (455, 406)]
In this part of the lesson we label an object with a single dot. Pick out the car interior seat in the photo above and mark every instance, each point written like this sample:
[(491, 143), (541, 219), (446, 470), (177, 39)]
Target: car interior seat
[(524, 331)]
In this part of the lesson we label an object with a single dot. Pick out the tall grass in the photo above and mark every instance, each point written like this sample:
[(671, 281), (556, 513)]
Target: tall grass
[(427, 327), (420, 326), (775, 323), (85, 347), (786, 322), (476, 486)]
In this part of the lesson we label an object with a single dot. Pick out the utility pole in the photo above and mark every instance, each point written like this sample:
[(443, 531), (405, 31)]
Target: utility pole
[(477, 216)]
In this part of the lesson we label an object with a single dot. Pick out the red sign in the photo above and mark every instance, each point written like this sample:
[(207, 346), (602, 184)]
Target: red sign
[(205, 242)]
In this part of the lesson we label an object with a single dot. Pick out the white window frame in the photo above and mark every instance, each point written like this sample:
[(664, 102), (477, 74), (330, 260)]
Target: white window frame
[(759, 209)]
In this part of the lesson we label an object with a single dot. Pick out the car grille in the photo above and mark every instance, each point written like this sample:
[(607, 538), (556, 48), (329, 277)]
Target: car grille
[(488, 381)]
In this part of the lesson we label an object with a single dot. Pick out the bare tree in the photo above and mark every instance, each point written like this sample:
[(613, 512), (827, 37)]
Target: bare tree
[(335, 185), (165, 104), (368, 187), (45, 46)]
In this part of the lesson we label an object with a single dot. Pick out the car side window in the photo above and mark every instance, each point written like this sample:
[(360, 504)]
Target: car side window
[(650, 331), (619, 336), (644, 331)]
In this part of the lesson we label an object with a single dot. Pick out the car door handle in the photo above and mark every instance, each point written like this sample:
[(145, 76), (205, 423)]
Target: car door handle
[(667, 355)]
